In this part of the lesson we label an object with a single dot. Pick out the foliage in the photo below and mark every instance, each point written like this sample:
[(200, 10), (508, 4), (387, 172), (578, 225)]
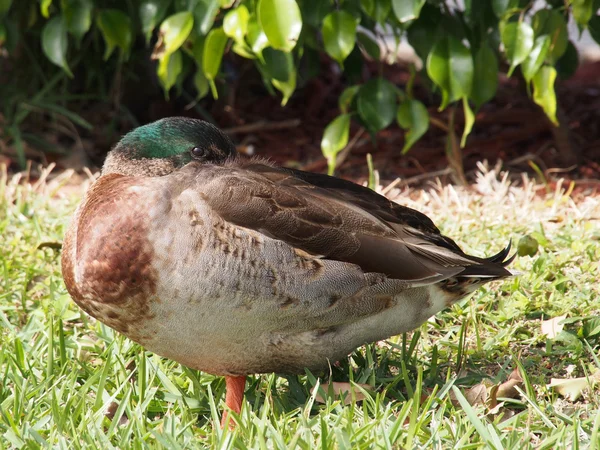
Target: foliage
[(462, 48)]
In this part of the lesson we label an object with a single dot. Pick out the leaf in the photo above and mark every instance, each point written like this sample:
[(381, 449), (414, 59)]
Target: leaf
[(4, 6), (151, 13), (591, 327), (55, 43), (572, 388), (45, 8), (477, 395), (257, 39), (235, 23), (115, 27), (346, 98), (335, 138), (414, 117), (517, 38), (508, 388), (313, 12), (175, 30), (377, 104), (407, 10), (281, 21), (594, 28), (381, 11), (346, 390), (552, 23), (543, 91), (214, 46), (280, 66), (204, 15), (339, 34), (369, 45), (201, 84), (485, 75), (567, 64), (78, 17), (422, 36), (469, 121), (169, 68), (582, 11), (450, 66), (536, 57), (277, 64), (527, 246), (502, 7), (552, 327)]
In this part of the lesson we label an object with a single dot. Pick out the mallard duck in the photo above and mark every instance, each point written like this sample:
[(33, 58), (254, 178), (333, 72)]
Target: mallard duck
[(235, 266)]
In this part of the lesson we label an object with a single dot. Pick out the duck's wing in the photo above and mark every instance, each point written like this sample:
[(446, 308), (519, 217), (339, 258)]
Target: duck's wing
[(338, 220)]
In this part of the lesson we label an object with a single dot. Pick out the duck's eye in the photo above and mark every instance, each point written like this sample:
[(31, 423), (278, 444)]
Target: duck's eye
[(199, 152)]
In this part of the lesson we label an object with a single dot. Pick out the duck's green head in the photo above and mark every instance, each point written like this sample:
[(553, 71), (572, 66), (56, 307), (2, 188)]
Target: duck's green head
[(166, 145)]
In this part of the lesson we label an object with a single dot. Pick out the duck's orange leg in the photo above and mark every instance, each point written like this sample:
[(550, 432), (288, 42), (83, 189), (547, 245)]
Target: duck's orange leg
[(234, 394)]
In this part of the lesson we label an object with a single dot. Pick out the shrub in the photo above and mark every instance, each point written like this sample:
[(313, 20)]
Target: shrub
[(462, 49)]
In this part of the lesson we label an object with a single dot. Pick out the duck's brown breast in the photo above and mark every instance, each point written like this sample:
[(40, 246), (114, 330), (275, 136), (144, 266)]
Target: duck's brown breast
[(107, 257)]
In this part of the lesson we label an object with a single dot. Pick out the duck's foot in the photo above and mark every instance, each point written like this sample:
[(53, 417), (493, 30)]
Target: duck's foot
[(234, 394)]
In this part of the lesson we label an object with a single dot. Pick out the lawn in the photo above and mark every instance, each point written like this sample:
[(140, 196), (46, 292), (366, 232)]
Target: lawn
[(475, 376)]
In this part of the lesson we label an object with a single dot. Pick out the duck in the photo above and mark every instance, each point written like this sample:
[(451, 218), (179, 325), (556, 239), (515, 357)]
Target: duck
[(235, 266)]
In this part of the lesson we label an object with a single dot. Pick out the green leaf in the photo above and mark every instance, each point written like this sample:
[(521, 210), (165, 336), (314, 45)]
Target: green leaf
[(339, 34), (414, 117), (242, 49), (567, 65), (313, 12), (346, 98), (381, 11), (204, 15), (504, 8), (115, 27), (45, 8), (543, 91), (257, 39), (201, 84), (286, 88), (281, 22), (552, 23), (450, 66), (235, 23), (369, 45), (78, 17), (169, 68), (407, 10), (422, 36), (55, 43), (151, 13), (469, 121), (335, 138), (594, 28), (536, 57), (377, 104), (214, 46), (582, 11), (517, 38), (4, 6), (175, 30), (277, 64), (485, 75)]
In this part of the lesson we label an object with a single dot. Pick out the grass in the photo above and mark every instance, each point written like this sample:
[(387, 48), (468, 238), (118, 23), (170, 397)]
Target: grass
[(67, 381)]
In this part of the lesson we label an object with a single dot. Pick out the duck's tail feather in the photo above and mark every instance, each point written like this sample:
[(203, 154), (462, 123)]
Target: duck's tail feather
[(492, 267)]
